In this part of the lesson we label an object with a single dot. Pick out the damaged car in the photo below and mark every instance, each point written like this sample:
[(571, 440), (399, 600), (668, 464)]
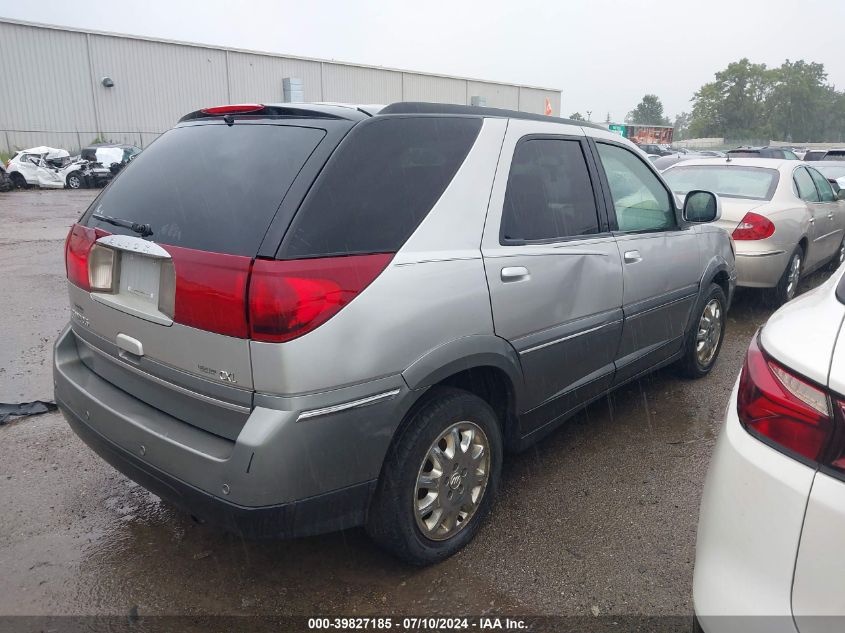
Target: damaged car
[(107, 159), (48, 168)]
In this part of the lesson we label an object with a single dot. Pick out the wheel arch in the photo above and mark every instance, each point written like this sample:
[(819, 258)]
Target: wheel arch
[(484, 365)]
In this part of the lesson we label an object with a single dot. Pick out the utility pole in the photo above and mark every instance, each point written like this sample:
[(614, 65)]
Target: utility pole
[(589, 113)]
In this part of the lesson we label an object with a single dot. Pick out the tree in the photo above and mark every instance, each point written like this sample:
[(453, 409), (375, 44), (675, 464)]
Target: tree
[(681, 125), (734, 105), (648, 112), (576, 116), (799, 100)]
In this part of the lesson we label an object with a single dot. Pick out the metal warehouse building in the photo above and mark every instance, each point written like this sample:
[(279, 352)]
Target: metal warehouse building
[(66, 87)]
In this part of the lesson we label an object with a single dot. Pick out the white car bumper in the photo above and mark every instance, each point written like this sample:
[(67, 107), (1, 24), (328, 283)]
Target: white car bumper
[(748, 534)]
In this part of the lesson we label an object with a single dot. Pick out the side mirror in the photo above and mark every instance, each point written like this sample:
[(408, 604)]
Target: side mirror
[(840, 195), (702, 206)]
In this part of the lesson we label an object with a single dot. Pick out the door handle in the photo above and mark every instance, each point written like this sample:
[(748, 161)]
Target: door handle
[(632, 257), (514, 273)]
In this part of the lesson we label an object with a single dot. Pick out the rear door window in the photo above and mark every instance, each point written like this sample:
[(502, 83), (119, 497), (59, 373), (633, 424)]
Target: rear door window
[(805, 186), (550, 194), (823, 186), (210, 187), (379, 185)]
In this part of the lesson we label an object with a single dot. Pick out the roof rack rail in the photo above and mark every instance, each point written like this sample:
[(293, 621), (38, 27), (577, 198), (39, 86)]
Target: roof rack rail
[(421, 107)]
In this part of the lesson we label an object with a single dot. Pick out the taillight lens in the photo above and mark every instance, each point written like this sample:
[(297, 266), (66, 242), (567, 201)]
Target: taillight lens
[(102, 269), (210, 290), (80, 240), (753, 227), (782, 407), (290, 298)]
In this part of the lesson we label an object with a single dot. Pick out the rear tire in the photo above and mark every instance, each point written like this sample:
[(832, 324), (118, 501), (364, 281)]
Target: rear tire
[(704, 340), (787, 288), (429, 504), (18, 181)]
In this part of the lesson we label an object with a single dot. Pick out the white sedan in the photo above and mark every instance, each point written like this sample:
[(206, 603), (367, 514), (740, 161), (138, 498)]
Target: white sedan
[(784, 217), (771, 535)]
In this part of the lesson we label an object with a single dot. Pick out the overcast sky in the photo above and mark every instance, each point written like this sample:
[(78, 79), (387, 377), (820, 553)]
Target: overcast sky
[(603, 54)]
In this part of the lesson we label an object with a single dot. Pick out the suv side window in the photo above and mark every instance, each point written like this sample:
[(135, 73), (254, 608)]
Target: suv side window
[(825, 190), (804, 184), (641, 202), (549, 195)]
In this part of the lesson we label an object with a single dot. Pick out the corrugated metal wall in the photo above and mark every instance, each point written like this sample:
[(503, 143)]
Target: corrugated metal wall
[(51, 91)]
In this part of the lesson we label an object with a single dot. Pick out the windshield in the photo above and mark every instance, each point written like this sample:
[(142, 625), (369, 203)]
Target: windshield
[(754, 183)]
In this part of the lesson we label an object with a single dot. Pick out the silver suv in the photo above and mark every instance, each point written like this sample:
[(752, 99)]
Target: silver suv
[(292, 319)]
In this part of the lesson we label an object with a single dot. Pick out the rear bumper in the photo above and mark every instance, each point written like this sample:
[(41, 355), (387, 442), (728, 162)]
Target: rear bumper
[(761, 268), (284, 475), (329, 512), (749, 529)]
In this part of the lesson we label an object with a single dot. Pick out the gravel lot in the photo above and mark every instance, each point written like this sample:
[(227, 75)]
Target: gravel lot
[(600, 518)]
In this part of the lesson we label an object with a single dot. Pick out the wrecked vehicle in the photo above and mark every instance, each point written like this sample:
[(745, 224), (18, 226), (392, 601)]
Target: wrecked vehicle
[(107, 159), (49, 168), (5, 183)]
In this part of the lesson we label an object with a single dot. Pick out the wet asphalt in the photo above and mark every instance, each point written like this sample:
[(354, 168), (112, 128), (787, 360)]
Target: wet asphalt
[(599, 518)]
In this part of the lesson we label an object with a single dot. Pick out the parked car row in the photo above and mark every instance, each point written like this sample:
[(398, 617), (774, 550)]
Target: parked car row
[(53, 168)]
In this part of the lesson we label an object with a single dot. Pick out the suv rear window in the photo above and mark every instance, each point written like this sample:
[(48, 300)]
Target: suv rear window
[(209, 187), (379, 185)]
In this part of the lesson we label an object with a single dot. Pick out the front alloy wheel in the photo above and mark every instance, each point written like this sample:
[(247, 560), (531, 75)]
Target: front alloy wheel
[(74, 181), (709, 332), (452, 480)]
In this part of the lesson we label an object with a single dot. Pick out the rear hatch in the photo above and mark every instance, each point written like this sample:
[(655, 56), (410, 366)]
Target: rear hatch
[(159, 264)]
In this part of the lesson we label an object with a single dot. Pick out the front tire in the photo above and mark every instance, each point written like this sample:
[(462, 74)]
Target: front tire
[(75, 180), (439, 478), (704, 340)]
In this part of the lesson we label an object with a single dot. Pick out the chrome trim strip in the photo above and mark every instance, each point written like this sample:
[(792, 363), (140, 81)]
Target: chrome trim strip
[(164, 383), (134, 245), (568, 337), (313, 413), (763, 254)]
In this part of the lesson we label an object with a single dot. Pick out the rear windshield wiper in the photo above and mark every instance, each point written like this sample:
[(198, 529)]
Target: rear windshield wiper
[(144, 230)]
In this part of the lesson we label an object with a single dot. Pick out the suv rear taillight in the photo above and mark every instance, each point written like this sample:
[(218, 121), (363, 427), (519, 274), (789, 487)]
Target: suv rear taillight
[(80, 240), (290, 298), (753, 227), (210, 290), (788, 411), (234, 295)]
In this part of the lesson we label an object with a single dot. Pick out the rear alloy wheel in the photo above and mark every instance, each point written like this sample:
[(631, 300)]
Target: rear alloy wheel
[(75, 181), (439, 478), (704, 340), (18, 181), (787, 287)]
